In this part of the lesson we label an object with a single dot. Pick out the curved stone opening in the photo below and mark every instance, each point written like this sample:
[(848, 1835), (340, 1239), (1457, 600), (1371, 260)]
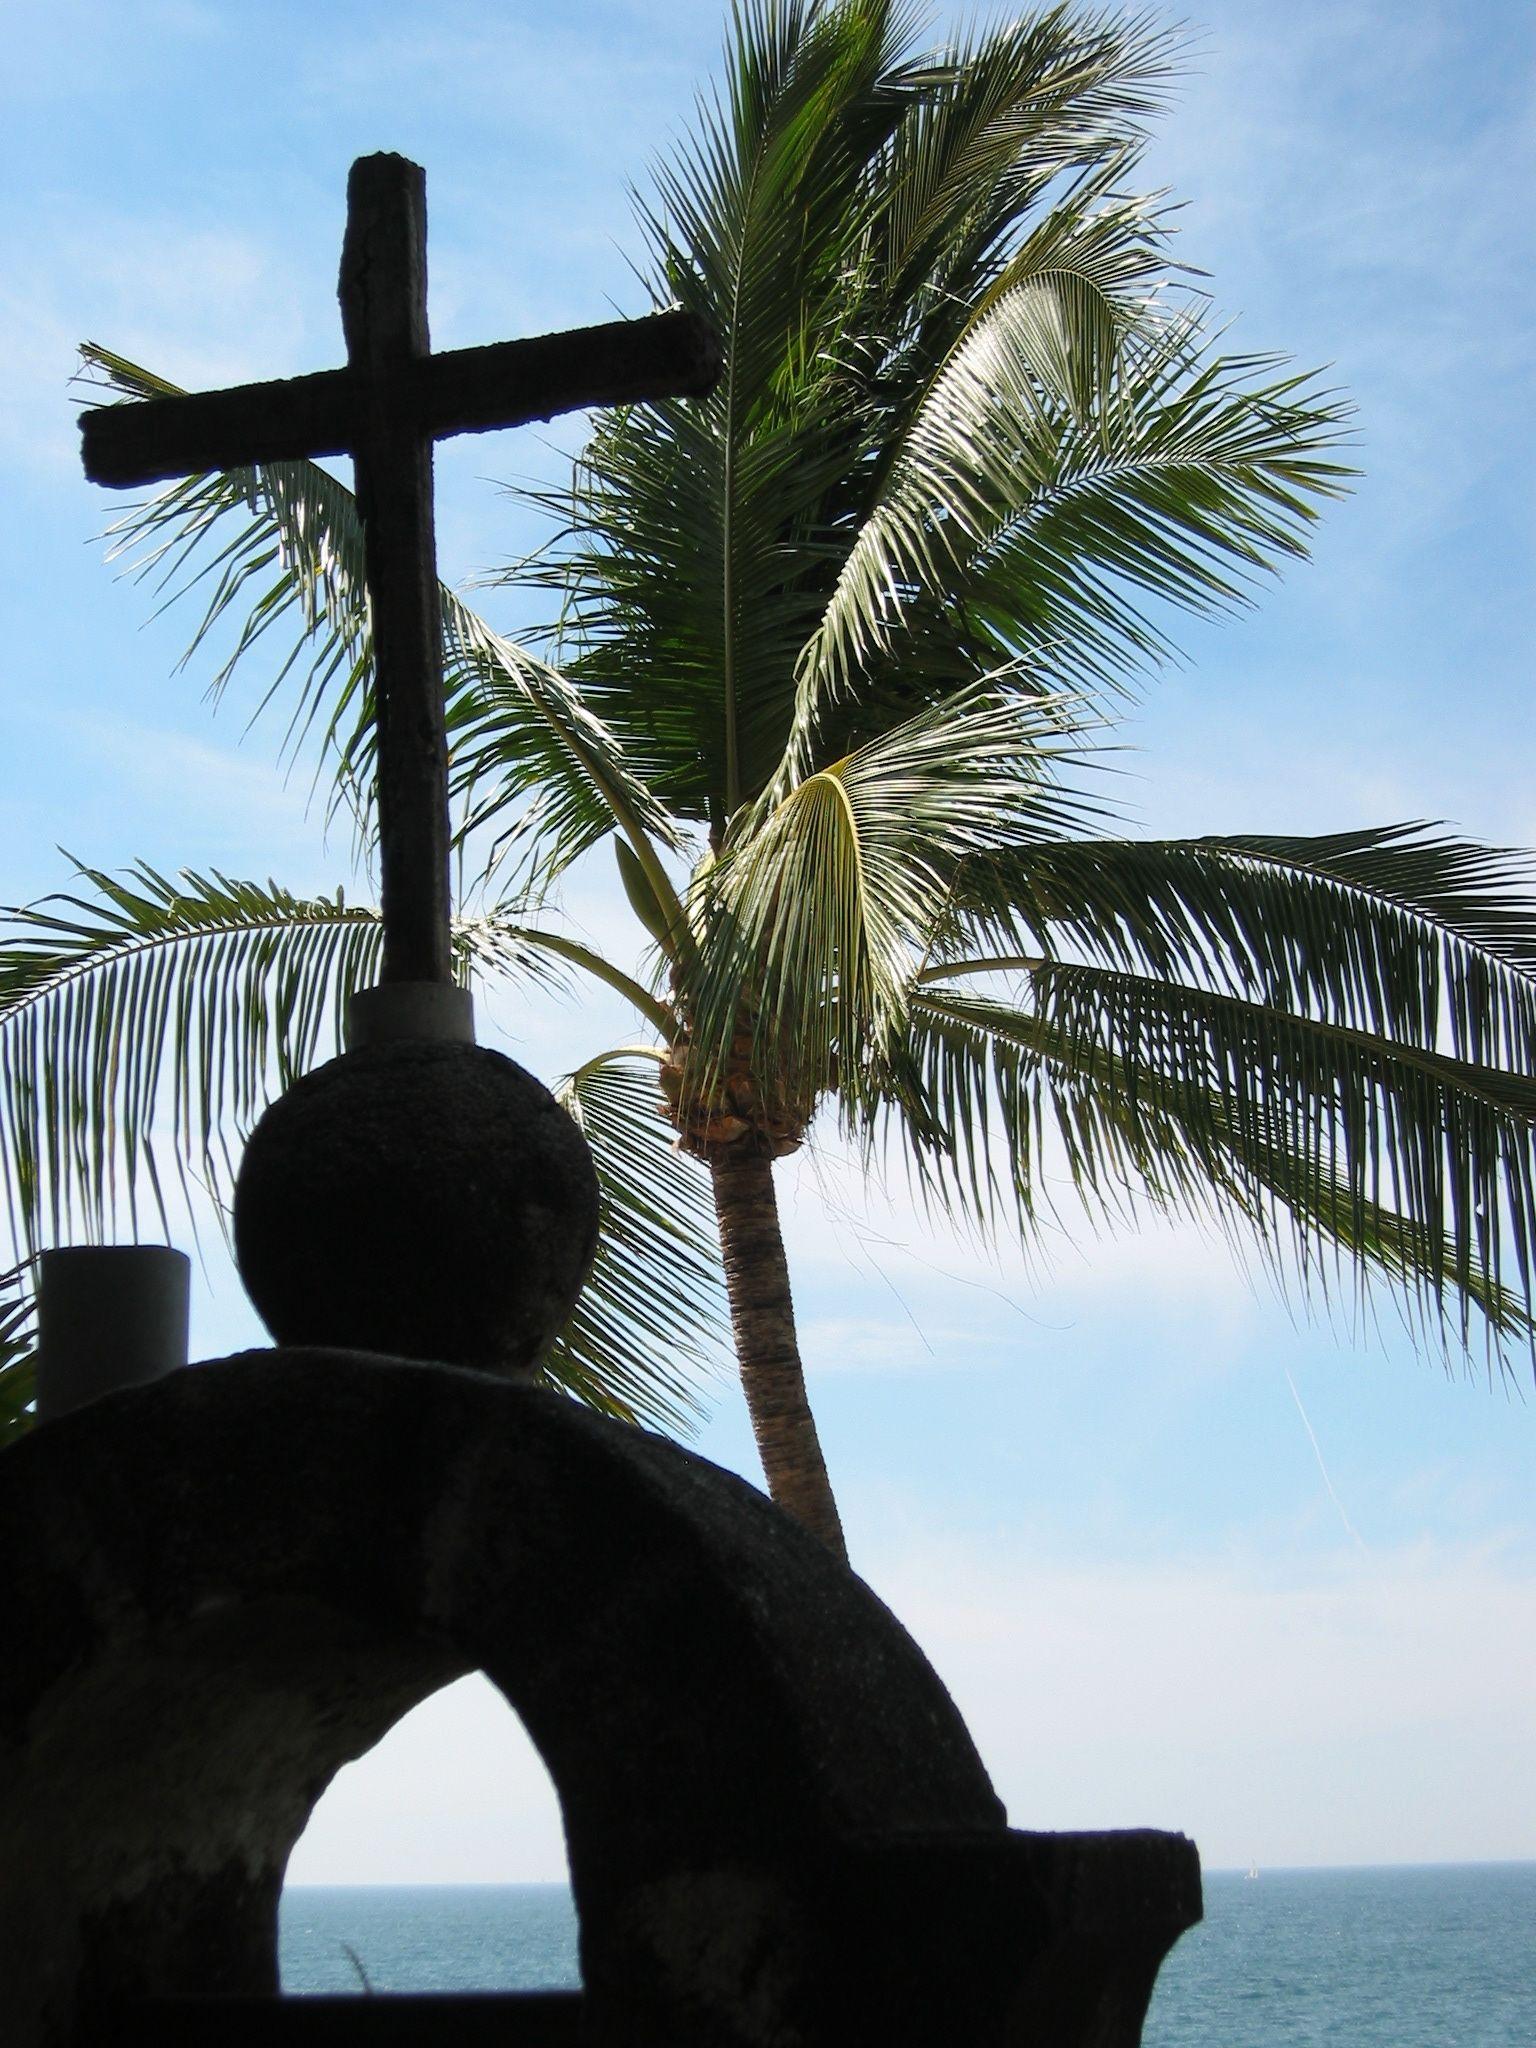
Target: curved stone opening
[(237, 1580), (166, 1779), (436, 1861)]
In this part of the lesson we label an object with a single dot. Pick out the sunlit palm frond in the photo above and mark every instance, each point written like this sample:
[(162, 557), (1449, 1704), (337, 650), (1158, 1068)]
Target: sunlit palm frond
[(699, 544), (1481, 894), (142, 1013), (761, 199), (531, 762), (1184, 477), (1103, 251), (501, 942), (751, 225), (650, 1325), (640, 575), (276, 554), (994, 122), (1426, 939), (1419, 1164), (823, 903)]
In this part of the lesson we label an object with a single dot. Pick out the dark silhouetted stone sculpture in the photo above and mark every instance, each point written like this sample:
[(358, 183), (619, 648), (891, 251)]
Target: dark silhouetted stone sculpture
[(227, 1584), (427, 1199)]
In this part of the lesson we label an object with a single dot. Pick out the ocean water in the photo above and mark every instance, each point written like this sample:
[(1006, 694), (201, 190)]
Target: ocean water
[(441, 1937), (1432, 1957), (1413, 1957)]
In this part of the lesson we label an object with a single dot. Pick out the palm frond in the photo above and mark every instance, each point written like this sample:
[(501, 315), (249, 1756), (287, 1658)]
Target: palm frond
[(751, 225), (501, 943), (1483, 894), (153, 1008), (528, 759), (1399, 930), (1319, 1135), (1050, 483), (993, 122), (822, 904), (141, 1012), (699, 545), (18, 1343), (276, 552), (650, 1324)]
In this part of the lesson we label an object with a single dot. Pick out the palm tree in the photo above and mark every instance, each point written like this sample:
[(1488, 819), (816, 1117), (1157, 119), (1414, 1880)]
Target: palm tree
[(835, 651)]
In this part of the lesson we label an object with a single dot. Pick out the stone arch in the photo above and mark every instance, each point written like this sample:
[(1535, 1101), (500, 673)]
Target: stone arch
[(237, 1579)]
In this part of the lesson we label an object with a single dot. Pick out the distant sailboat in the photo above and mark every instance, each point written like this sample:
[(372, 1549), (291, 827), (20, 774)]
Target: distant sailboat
[(1251, 1871)]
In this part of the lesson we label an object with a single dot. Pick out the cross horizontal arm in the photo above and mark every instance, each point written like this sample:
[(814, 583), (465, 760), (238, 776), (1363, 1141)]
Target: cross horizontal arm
[(462, 391), (150, 439), (622, 362)]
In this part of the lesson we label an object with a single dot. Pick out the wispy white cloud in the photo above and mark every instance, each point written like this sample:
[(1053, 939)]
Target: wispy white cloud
[(1370, 228), (875, 1344), (838, 1221), (239, 808), (1271, 1711), (1271, 1715), (200, 306)]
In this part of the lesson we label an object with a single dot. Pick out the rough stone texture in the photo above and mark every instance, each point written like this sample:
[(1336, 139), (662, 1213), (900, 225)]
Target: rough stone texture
[(426, 1200), (227, 1584), (464, 2019)]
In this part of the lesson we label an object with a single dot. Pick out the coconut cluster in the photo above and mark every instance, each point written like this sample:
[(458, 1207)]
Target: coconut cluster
[(732, 1108)]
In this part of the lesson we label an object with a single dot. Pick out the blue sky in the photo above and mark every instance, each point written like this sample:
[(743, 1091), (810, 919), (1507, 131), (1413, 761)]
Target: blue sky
[(1185, 1557)]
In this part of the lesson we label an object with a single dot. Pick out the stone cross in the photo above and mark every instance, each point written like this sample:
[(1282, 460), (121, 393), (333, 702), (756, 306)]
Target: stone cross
[(386, 409)]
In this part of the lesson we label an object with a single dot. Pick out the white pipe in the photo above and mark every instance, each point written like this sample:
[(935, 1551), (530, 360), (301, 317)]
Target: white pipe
[(410, 1009)]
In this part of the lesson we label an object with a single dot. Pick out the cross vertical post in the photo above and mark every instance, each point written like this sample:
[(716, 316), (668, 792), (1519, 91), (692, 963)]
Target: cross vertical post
[(384, 319)]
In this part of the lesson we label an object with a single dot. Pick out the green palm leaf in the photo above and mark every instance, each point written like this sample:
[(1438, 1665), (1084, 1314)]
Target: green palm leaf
[(651, 1320), (994, 122), (955, 432), (189, 1003), (689, 522), (822, 904), (1417, 1163), (1399, 930), (528, 759), (18, 1339), (141, 1001), (1056, 467), (283, 543), (502, 943)]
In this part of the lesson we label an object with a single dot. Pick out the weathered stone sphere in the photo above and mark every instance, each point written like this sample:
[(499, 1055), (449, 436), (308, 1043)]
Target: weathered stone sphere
[(426, 1199)]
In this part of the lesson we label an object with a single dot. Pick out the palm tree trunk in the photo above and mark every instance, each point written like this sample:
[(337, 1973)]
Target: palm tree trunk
[(767, 1352)]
